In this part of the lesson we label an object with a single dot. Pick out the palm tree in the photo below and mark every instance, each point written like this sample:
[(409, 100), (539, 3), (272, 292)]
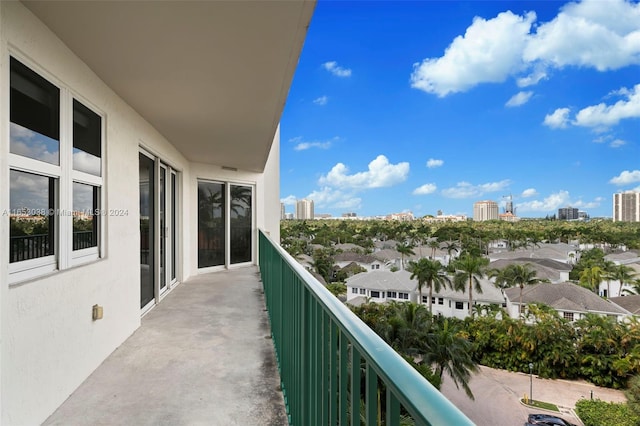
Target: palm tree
[(520, 275), (404, 249), (470, 269), (623, 274), (429, 272), (591, 278), (451, 246), (433, 245), (451, 353)]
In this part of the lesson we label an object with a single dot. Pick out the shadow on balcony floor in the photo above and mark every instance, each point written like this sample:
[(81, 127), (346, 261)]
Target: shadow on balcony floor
[(201, 357)]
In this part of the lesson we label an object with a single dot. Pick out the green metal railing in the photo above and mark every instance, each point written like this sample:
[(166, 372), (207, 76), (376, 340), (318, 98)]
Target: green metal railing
[(334, 369)]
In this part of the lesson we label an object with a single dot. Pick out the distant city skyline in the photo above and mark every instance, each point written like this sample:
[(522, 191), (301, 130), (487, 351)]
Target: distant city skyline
[(427, 106)]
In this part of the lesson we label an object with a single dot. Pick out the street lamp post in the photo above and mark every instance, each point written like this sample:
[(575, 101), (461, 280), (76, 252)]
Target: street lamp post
[(531, 381)]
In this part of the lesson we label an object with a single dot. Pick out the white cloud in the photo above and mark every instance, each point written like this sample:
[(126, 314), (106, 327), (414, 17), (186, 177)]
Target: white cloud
[(433, 163), (330, 197), (322, 100), (617, 143), (335, 69), (550, 203), (427, 188), (380, 174), (626, 178), (467, 190), (519, 98), (289, 200), (302, 145), (603, 115), (592, 33), (532, 79), (558, 120), (530, 192), (490, 51), (604, 35)]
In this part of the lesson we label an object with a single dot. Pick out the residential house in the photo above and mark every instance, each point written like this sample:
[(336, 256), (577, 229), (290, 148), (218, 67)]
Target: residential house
[(382, 286), (455, 304), (560, 252), (571, 301), (367, 261), (144, 138)]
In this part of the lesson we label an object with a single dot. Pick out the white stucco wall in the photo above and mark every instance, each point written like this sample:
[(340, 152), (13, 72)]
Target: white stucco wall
[(50, 343)]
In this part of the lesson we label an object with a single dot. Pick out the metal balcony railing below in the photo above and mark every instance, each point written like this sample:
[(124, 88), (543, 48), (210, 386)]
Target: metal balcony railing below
[(334, 369)]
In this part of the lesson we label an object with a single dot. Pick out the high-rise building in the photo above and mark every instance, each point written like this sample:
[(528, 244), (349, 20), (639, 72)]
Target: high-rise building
[(626, 207), (304, 209), (485, 210), (568, 213), (283, 212)]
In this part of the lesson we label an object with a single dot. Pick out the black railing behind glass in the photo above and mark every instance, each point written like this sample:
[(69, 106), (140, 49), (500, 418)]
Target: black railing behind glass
[(83, 240), (25, 247)]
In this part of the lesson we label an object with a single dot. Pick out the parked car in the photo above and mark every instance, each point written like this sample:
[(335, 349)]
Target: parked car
[(546, 420)]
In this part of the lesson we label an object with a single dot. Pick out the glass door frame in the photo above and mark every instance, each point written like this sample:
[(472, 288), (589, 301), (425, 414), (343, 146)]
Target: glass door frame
[(166, 247), (227, 225)]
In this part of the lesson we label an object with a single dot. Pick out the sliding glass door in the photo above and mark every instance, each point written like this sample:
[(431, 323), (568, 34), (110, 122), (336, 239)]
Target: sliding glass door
[(225, 224), (158, 224)]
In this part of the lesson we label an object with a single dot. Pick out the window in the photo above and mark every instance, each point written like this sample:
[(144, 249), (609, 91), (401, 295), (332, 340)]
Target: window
[(404, 296), (354, 290), (425, 299), (568, 316), (392, 294), (55, 171), (459, 305), (363, 291), (433, 300), (375, 294), (440, 301)]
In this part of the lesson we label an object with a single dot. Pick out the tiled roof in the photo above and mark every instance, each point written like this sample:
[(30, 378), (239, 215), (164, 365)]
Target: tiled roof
[(383, 280), (564, 296), (630, 303), (490, 293), (545, 268), (349, 256)]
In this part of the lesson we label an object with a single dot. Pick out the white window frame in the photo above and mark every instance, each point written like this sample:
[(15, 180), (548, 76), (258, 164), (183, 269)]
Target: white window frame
[(64, 175)]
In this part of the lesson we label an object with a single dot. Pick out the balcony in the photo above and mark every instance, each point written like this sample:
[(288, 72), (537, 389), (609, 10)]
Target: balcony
[(205, 355)]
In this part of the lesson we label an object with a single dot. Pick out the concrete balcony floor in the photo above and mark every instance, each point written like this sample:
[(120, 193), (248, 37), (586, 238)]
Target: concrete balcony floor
[(203, 356)]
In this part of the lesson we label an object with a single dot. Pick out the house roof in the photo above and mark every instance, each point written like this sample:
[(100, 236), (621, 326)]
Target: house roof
[(630, 303), (383, 280), (211, 76), (564, 296), (349, 256), (623, 257), (346, 247), (545, 268), (545, 251)]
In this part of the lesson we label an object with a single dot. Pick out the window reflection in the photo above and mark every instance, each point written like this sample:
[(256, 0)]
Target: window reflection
[(31, 217), (241, 223), (85, 220), (211, 218), (87, 146), (34, 131)]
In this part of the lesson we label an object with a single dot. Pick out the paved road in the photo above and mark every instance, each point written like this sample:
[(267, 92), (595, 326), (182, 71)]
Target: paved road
[(497, 394)]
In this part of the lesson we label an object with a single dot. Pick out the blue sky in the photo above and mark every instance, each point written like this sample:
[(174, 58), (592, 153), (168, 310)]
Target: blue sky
[(433, 105)]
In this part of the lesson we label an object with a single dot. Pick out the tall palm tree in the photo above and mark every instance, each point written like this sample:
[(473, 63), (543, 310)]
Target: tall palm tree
[(433, 245), (451, 353), (430, 273), (405, 249), (591, 278), (623, 274), (520, 275), (469, 270)]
